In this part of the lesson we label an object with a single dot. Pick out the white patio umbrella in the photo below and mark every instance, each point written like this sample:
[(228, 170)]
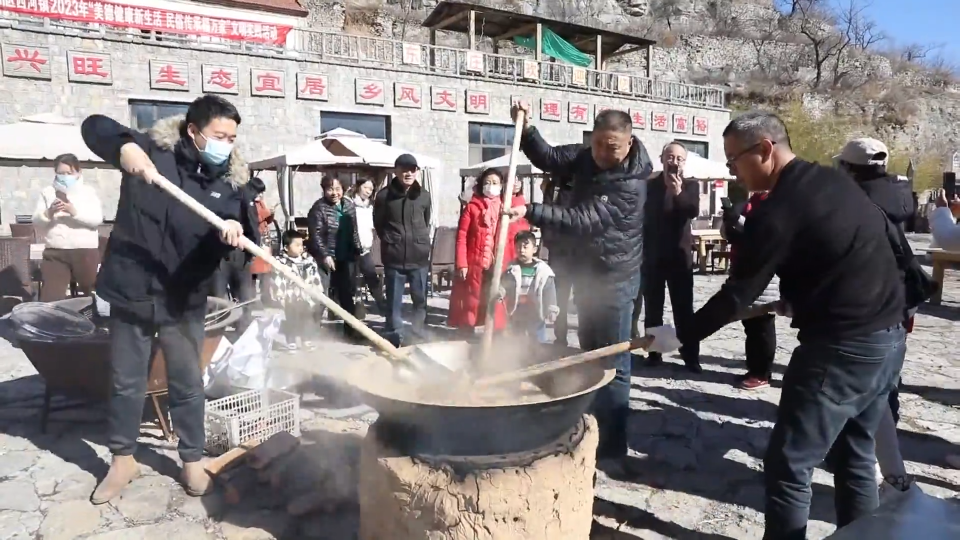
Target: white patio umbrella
[(343, 142), (314, 153), (43, 137), (501, 163)]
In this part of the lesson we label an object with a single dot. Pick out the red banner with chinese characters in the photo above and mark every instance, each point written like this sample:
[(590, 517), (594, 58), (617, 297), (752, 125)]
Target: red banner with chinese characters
[(160, 20)]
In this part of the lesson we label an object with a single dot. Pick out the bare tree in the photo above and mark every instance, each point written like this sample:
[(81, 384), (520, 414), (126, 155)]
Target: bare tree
[(792, 7), (917, 53), (856, 32), (765, 33), (406, 9), (817, 24)]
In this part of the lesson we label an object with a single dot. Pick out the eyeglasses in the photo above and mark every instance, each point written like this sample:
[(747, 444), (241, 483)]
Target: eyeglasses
[(732, 162)]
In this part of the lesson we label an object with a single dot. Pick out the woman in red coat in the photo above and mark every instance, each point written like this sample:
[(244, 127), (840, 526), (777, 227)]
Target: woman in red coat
[(476, 241)]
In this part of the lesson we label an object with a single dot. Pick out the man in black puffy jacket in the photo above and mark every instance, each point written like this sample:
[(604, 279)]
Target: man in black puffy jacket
[(159, 266), (401, 217), (606, 216)]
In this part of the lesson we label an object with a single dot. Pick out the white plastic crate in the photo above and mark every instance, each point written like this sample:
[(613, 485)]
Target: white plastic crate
[(250, 415)]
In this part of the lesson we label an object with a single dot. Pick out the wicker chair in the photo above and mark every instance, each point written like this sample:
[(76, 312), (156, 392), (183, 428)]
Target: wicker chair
[(443, 257), (15, 274), (23, 230)]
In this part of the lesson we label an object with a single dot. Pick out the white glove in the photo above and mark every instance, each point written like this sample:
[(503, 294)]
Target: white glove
[(784, 309), (664, 339)]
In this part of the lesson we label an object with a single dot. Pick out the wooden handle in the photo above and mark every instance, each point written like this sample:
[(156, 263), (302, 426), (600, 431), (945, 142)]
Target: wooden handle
[(757, 310), (486, 343), (223, 311), (226, 460), (563, 363), (247, 245), (603, 352)]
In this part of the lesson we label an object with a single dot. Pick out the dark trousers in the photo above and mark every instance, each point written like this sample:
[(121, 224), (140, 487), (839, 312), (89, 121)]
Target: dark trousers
[(396, 279), (834, 394), (637, 309), (563, 281), (761, 345), (605, 316), (131, 349), (369, 272), (679, 281), (299, 320), (343, 280), (60, 267), (235, 279)]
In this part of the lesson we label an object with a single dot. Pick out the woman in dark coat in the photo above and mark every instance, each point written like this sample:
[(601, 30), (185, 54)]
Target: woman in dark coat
[(335, 242)]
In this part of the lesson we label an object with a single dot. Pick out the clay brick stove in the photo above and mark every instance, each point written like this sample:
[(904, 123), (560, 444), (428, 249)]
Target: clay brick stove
[(511, 471)]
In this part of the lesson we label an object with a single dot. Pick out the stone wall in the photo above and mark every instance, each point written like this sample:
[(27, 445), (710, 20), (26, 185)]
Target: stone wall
[(272, 125)]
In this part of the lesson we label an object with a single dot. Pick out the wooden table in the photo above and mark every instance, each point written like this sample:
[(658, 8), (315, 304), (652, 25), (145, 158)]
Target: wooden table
[(941, 259), (703, 237)]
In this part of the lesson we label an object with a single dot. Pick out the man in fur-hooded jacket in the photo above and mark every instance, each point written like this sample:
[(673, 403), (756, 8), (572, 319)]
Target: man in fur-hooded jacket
[(158, 268)]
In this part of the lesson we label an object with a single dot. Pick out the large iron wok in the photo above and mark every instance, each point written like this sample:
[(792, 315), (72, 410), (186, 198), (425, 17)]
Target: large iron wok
[(79, 368), (417, 427)]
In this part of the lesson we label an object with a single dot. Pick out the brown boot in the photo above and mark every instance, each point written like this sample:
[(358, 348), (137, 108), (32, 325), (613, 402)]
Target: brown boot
[(196, 482), (123, 470)]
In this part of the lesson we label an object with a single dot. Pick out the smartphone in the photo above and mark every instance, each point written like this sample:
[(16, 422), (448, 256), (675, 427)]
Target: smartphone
[(62, 196), (950, 184), (673, 169), (725, 203)]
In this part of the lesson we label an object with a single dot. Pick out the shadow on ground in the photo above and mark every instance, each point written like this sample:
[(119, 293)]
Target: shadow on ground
[(327, 464), (73, 428), (637, 519), (679, 449), (945, 312)]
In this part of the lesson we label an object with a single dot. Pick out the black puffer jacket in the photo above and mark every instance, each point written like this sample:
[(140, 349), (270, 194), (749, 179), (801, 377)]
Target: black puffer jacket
[(323, 225), (606, 208), (161, 257), (402, 221), (892, 195)]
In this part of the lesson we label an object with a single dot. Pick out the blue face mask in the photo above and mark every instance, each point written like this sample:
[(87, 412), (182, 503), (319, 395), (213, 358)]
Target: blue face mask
[(216, 152), (63, 182)]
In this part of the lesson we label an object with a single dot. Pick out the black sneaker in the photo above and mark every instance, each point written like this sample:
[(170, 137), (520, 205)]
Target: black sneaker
[(654, 359), (693, 366)]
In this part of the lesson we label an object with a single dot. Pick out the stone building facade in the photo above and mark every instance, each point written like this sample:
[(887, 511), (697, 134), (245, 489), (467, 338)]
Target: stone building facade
[(284, 95)]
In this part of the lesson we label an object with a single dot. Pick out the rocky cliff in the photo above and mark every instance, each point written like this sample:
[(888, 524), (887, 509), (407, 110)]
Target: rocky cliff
[(827, 62)]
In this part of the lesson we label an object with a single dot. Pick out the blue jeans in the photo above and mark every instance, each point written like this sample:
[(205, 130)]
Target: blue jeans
[(395, 280), (605, 316), (834, 394)]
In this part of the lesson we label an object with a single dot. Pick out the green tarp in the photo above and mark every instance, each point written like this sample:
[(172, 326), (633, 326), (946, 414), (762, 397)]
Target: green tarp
[(557, 47)]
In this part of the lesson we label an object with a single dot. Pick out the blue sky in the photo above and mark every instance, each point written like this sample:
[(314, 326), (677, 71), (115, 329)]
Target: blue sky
[(920, 21)]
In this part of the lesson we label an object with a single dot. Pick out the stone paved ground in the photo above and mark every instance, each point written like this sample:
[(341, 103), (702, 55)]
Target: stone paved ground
[(697, 442)]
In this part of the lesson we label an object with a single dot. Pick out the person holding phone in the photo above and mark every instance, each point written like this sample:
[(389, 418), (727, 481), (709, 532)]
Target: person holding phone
[(672, 202), (67, 216), (943, 221)]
